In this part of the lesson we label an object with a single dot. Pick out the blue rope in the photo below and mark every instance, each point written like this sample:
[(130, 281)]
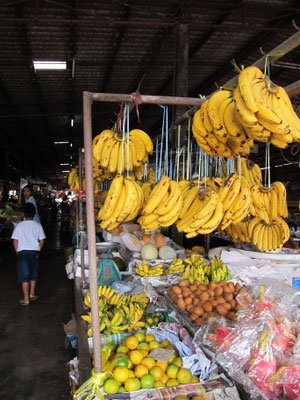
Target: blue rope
[(162, 142), (127, 113)]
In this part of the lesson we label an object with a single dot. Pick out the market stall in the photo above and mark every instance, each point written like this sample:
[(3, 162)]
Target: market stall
[(176, 322)]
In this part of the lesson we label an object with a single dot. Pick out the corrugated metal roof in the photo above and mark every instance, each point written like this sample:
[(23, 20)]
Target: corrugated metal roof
[(115, 44)]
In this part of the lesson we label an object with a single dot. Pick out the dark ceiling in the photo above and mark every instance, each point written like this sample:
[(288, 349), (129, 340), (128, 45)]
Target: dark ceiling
[(115, 47)]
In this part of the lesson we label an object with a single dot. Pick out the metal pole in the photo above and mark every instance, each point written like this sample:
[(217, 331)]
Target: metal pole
[(80, 167), (87, 134), (145, 99)]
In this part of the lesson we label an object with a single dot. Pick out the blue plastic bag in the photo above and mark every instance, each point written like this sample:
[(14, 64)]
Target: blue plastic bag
[(108, 272)]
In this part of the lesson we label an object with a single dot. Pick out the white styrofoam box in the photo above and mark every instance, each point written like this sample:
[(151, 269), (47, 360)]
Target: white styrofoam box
[(86, 272), (108, 237), (77, 257)]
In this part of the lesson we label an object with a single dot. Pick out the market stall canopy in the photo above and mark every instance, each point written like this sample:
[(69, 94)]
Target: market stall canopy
[(117, 47)]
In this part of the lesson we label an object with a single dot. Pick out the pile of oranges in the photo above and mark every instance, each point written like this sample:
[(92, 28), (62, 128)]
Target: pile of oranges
[(132, 369)]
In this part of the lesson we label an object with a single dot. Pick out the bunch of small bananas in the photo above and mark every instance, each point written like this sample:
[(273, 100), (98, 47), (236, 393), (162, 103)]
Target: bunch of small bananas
[(100, 174), (140, 174), (202, 211), (195, 270), (73, 179), (196, 250), (236, 199), (249, 170), (143, 269), (217, 129), (163, 206), (217, 270), (269, 203), (116, 156), (176, 267), (122, 204), (268, 236), (239, 231), (265, 110)]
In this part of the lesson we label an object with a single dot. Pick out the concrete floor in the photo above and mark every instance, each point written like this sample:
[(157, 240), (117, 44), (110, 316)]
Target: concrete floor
[(33, 357)]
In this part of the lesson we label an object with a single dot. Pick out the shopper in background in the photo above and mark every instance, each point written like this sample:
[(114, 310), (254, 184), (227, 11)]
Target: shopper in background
[(27, 193), (28, 239)]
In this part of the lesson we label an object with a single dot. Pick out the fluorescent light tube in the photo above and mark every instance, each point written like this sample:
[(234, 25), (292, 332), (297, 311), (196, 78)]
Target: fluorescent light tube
[(49, 65)]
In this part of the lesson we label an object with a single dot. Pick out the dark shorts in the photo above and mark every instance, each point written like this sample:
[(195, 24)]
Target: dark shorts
[(27, 265)]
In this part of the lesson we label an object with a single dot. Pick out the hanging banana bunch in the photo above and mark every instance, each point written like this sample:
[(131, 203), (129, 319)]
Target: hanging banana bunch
[(73, 179), (202, 212), (113, 154), (163, 205), (217, 130), (236, 198), (123, 203), (265, 110), (249, 170)]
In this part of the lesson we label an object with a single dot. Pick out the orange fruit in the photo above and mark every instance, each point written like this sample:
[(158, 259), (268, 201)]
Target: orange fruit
[(132, 384), (148, 362), (165, 378), (153, 345), (122, 349), (172, 382), (143, 346), (181, 398), (171, 359), (121, 374), (122, 389), (157, 373), (147, 381), (136, 356), (164, 343), (172, 371), (131, 342), (122, 362), (131, 374), (111, 386), (149, 337), (159, 384), (184, 376), (178, 362), (195, 379), (140, 370), (140, 336), (162, 365), (145, 352)]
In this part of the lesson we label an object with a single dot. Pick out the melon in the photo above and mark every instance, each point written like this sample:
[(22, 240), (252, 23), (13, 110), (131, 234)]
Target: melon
[(149, 252), (167, 253)]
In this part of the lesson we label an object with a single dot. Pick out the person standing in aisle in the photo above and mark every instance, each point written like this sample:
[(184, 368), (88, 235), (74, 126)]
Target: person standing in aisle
[(27, 193), (28, 240)]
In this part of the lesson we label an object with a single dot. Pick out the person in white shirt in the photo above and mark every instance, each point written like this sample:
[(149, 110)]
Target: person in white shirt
[(27, 193), (28, 239)]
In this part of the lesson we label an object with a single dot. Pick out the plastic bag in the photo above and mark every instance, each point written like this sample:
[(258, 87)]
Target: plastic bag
[(108, 272), (131, 241)]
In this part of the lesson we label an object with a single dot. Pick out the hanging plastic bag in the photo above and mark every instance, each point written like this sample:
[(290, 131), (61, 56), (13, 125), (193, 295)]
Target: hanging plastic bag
[(108, 272)]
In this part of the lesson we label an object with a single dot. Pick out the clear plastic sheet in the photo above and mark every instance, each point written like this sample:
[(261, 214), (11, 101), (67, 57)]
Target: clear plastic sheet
[(259, 351)]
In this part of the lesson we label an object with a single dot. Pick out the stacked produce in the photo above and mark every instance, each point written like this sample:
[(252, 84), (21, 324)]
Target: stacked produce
[(111, 152), (176, 267), (217, 129), (122, 204), (202, 212), (197, 250), (10, 211), (117, 313), (210, 300), (198, 270), (265, 110), (236, 198), (163, 206), (131, 366)]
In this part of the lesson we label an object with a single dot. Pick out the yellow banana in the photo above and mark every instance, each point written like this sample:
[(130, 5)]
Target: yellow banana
[(156, 195)]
